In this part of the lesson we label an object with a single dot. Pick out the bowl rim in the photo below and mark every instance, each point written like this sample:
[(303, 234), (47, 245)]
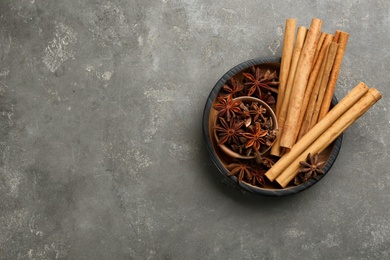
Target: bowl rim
[(221, 168)]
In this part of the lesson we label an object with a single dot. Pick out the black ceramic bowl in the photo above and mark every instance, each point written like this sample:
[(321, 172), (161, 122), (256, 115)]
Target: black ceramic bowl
[(221, 160)]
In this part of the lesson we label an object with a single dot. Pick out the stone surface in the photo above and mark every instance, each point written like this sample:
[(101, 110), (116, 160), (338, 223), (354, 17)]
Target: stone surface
[(100, 133)]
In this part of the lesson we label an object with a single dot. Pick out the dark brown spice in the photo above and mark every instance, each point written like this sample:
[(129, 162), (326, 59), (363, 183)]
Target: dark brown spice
[(267, 161), (258, 176), (257, 111), (234, 89), (309, 169), (228, 132), (227, 106), (240, 170), (255, 136), (260, 81)]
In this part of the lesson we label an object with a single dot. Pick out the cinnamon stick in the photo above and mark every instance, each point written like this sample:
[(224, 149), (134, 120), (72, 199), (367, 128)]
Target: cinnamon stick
[(319, 46), (312, 80), (336, 36), (300, 81), (324, 82), (350, 99), (301, 35), (288, 45), (342, 41), (305, 127), (338, 127)]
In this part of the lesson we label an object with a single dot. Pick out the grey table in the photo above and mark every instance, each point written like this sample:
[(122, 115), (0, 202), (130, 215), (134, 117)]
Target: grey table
[(102, 154)]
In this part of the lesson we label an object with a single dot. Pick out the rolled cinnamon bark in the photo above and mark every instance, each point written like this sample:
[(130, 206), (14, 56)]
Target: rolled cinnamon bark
[(301, 35), (336, 36), (342, 41), (300, 81), (339, 126), (288, 45), (324, 82), (310, 85), (319, 46), (349, 100), (306, 126)]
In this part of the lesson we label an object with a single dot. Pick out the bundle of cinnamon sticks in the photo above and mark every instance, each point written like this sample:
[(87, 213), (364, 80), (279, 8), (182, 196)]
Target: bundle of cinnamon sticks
[(308, 76)]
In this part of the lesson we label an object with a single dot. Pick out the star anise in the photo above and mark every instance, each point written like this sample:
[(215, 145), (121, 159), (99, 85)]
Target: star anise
[(299, 179), (240, 170), (245, 114), (236, 87), (255, 137), (267, 161), (311, 168), (270, 137), (238, 148), (260, 80), (227, 106), (229, 132), (268, 98), (258, 176), (267, 124), (257, 111)]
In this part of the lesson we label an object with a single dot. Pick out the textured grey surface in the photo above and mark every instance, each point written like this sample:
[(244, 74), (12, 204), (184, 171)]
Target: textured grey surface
[(100, 133)]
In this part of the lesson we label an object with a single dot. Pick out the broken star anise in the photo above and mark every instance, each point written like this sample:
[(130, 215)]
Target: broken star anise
[(310, 169), (229, 132), (240, 170), (245, 114), (227, 106), (257, 111), (267, 161)]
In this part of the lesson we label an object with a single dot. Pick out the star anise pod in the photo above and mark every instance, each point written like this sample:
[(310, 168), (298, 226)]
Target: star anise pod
[(258, 176), (268, 98), (255, 137), (238, 148), (267, 161), (229, 132), (235, 88), (257, 111), (227, 106), (270, 137), (258, 80), (299, 179), (312, 167), (267, 124), (240, 170), (246, 115)]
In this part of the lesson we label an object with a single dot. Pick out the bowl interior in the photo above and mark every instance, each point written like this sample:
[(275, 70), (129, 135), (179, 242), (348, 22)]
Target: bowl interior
[(246, 100)]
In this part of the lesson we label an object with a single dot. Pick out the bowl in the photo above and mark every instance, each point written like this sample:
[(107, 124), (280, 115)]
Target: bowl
[(221, 158), (246, 100)]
